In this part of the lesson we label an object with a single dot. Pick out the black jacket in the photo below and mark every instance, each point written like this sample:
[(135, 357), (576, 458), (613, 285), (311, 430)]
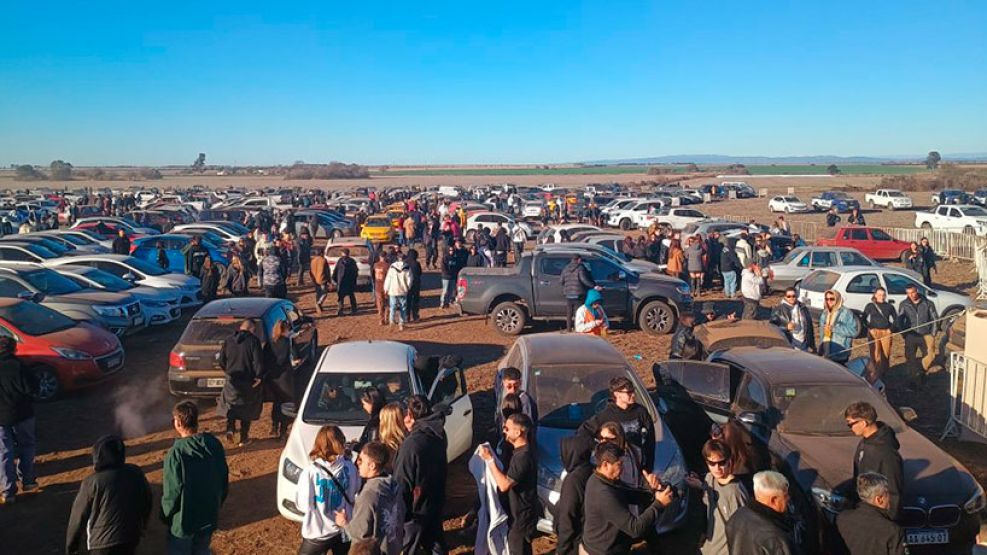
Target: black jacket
[(451, 265), (868, 530), (684, 344), (576, 280), (569, 511), (781, 315), (502, 240), (278, 373), (758, 530), (879, 453), (113, 504), (344, 274), (16, 392), (729, 261), (420, 469), (914, 261), (921, 315), (880, 316), (121, 245), (639, 429), (609, 527), (242, 360)]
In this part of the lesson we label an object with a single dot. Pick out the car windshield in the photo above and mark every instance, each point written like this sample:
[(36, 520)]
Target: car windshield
[(569, 394), (34, 319), (820, 281), (818, 409), (51, 282), (145, 267), (792, 199), (40, 250), (213, 331), (895, 194), (975, 211), (75, 239), (107, 280), (378, 222), (334, 398)]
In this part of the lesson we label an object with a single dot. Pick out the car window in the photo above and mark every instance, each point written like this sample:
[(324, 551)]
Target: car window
[(602, 270), (449, 388), (820, 281), (850, 258), (804, 260), (858, 234), (704, 379), (880, 235), (10, 253), (752, 397), (897, 284), (864, 283), (10, 288), (569, 394), (823, 259), (954, 213), (553, 265)]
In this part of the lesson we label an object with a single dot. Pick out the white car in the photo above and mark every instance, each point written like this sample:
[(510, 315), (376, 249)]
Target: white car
[(343, 372), (490, 220), (532, 209), (82, 237), (139, 272), (361, 250), (788, 204), (617, 204), (77, 244), (627, 218), (857, 284), (675, 218)]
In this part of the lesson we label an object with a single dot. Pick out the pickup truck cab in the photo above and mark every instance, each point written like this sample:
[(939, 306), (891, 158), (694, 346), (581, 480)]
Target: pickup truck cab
[(873, 242), (628, 218), (532, 290), (835, 199), (965, 218), (892, 199)]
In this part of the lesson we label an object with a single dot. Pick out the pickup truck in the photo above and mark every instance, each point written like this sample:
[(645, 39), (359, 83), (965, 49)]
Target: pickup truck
[(965, 218), (950, 196), (873, 242), (834, 199), (627, 218), (532, 290), (891, 199), (675, 218)]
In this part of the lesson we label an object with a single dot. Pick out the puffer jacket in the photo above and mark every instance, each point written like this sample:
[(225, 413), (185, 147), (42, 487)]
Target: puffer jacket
[(576, 280), (921, 315), (271, 272), (398, 280)]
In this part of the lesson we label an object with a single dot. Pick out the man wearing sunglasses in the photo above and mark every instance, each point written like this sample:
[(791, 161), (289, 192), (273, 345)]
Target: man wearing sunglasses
[(877, 451), (793, 318), (723, 494), (623, 408)]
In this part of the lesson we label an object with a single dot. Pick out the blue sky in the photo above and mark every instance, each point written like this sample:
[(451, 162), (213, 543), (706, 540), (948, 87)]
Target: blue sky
[(499, 82)]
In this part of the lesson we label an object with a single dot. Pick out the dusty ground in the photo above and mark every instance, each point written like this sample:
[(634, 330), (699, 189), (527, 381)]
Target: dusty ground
[(136, 403)]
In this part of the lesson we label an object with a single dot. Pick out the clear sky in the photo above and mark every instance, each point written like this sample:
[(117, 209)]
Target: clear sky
[(487, 82)]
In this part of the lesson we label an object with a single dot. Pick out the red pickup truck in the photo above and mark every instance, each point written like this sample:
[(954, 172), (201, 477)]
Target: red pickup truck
[(873, 242)]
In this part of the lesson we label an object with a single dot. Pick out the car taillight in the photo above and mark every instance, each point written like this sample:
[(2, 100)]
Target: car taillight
[(176, 360), (461, 287)]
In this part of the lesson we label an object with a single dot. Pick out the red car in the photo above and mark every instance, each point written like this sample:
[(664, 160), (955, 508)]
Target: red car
[(64, 354), (874, 242)]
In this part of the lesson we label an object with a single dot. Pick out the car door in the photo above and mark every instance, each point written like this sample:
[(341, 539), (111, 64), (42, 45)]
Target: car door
[(301, 331), (547, 285), (613, 282), (882, 246), (859, 290), (707, 383), (448, 394), (751, 407), (822, 259)]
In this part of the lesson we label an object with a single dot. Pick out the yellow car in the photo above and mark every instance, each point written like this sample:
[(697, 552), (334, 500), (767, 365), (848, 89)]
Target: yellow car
[(378, 229)]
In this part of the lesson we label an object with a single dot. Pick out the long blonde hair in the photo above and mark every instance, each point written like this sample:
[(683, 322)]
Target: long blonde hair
[(392, 431)]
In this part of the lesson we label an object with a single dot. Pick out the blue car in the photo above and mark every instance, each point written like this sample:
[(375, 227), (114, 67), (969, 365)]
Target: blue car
[(146, 248), (950, 196), (835, 199)]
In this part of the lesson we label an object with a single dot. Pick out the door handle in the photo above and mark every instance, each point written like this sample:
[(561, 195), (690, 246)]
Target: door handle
[(541, 282)]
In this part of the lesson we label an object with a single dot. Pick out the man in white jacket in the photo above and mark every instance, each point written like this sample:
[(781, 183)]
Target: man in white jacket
[(751, 287), (397, 282)]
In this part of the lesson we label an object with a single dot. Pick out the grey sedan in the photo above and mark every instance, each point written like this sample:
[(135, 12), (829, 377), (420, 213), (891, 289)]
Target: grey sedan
[(799, 262)]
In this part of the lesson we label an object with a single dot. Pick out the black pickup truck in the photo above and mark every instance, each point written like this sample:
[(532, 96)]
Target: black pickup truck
[(532, 290)]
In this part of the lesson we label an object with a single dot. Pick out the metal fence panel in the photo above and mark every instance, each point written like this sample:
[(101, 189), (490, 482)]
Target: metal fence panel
[(967, 398)]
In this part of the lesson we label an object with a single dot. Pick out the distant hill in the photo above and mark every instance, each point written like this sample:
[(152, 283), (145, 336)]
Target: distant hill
[(720, 159)]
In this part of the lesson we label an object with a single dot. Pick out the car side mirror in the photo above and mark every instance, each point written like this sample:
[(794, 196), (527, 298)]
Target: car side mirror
[(751, 418), (289, 410), (908, 414)]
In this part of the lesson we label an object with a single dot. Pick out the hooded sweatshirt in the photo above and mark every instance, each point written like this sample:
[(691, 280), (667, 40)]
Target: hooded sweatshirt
[(195, 484), (575, 451), (16, 392), (319, 496), (879, 453), (397, 282), (420, 468), (379, 514), (587, 319), (113, 504)]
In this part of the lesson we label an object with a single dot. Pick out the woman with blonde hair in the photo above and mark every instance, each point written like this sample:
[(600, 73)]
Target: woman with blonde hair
[(329, 484), (392, 430), (838, 328), (675, 266)]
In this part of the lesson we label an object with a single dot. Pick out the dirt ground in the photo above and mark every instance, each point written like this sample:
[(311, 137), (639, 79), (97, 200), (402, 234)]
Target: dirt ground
[(136, 403)]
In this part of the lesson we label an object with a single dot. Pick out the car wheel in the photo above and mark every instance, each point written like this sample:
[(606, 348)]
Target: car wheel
[(625, 224), (657, 318), (49, 388), (508, 318), (926, 225)]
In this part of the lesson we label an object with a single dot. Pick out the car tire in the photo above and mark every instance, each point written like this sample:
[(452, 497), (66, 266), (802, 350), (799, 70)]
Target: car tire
[(926, 225), (657, 318), (625, 224), (508, 318), (49, 387)]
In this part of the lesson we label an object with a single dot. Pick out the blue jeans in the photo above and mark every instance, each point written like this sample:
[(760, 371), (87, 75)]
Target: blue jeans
[(730, 283), (17, 445), (399, 301), (195, 545), (448, 291)]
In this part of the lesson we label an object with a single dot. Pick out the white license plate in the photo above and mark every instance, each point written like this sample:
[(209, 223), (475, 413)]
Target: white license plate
[(926, 537), (215, 382)]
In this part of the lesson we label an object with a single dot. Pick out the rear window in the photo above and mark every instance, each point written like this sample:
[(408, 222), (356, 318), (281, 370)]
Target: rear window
[(820, 281), (212, 331), (358, 251)]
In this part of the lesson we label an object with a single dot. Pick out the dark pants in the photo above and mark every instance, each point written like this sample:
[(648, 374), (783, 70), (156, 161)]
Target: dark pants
[(341, 297), (751, 307), (302, 270), (17, 449), (125, 549), (424, 536), (334, 545), (320, 294), (244, 428), (431, 254), (414, 302), (927, 277), (519, 540), (571, 306), (276, 291)]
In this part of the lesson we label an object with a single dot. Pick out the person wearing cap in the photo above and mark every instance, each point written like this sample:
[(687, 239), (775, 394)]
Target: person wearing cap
[(709, 314)]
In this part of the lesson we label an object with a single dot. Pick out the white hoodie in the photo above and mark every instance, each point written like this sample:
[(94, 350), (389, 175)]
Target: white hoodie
[(397, 282), (319, 497)]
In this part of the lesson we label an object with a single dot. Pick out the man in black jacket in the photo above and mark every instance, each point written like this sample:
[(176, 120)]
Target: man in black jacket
[(763, 527), (877, 451), (569, 511), (121, 244), (242, 360), (415, 291), (793, 318), (576, 281), (420, 470), (502, 244), (868, 529), (610, 527), (344, 274), (112, 506), (17, 442), (684, 344), (639, 428), (918, 316)]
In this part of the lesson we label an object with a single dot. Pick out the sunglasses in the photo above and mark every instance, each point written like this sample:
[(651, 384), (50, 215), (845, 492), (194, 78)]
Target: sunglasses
[(789, 296), (830, 298), (719, 463), (853, 423)]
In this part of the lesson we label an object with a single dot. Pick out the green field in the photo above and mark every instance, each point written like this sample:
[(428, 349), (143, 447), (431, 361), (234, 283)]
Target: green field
[(863, 169), (857, 169)]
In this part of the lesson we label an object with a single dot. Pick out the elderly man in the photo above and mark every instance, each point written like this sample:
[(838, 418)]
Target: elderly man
[(763, 526), (868, 529)]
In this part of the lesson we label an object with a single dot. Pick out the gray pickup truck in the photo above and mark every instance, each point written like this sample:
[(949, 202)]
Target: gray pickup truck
[(532, 290)]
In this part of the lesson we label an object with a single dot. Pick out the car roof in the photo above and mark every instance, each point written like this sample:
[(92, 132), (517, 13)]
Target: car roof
[(114, 257), (366, 357), (241, 307), (348, 242), (569, 348), (779, 365)]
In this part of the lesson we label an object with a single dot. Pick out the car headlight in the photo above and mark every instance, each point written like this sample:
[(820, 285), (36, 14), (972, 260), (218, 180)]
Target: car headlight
[(291, 471), (829, 500), (977, 502), (74, 354), (109, 310), (684, 289)]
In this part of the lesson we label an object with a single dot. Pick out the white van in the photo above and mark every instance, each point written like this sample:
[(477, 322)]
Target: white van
[(450, 191)]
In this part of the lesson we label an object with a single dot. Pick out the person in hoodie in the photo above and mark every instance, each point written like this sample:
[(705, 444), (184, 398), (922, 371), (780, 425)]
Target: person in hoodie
[(502, 244), (877, 451), (377, 512), (838, 327), (590, 318), (17, 425), (344, 275), (242, 360), (569, 510), (397, 283), (868, 528), (194, 485), (763, 526), (639, 428), (113, 505), (271, 274), (327, 485), (576, 281), (415, 290), (420, 470)]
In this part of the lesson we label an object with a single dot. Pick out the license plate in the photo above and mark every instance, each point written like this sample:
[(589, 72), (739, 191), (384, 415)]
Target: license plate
[(926, 537), (114, 362), (215, 382)]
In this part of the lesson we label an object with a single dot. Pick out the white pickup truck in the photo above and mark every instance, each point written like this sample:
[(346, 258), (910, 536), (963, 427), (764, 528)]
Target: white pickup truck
[(965, 218), (270, 203), (630, 217), (675, 218), (892, 199)]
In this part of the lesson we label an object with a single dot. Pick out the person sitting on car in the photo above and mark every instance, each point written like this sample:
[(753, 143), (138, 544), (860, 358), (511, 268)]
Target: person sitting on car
[(868, 528)]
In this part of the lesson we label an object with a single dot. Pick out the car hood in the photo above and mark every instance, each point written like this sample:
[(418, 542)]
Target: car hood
[(659, 279), (90, 296), (179, 280), (86, 338), (145, 293), (929, 472)]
